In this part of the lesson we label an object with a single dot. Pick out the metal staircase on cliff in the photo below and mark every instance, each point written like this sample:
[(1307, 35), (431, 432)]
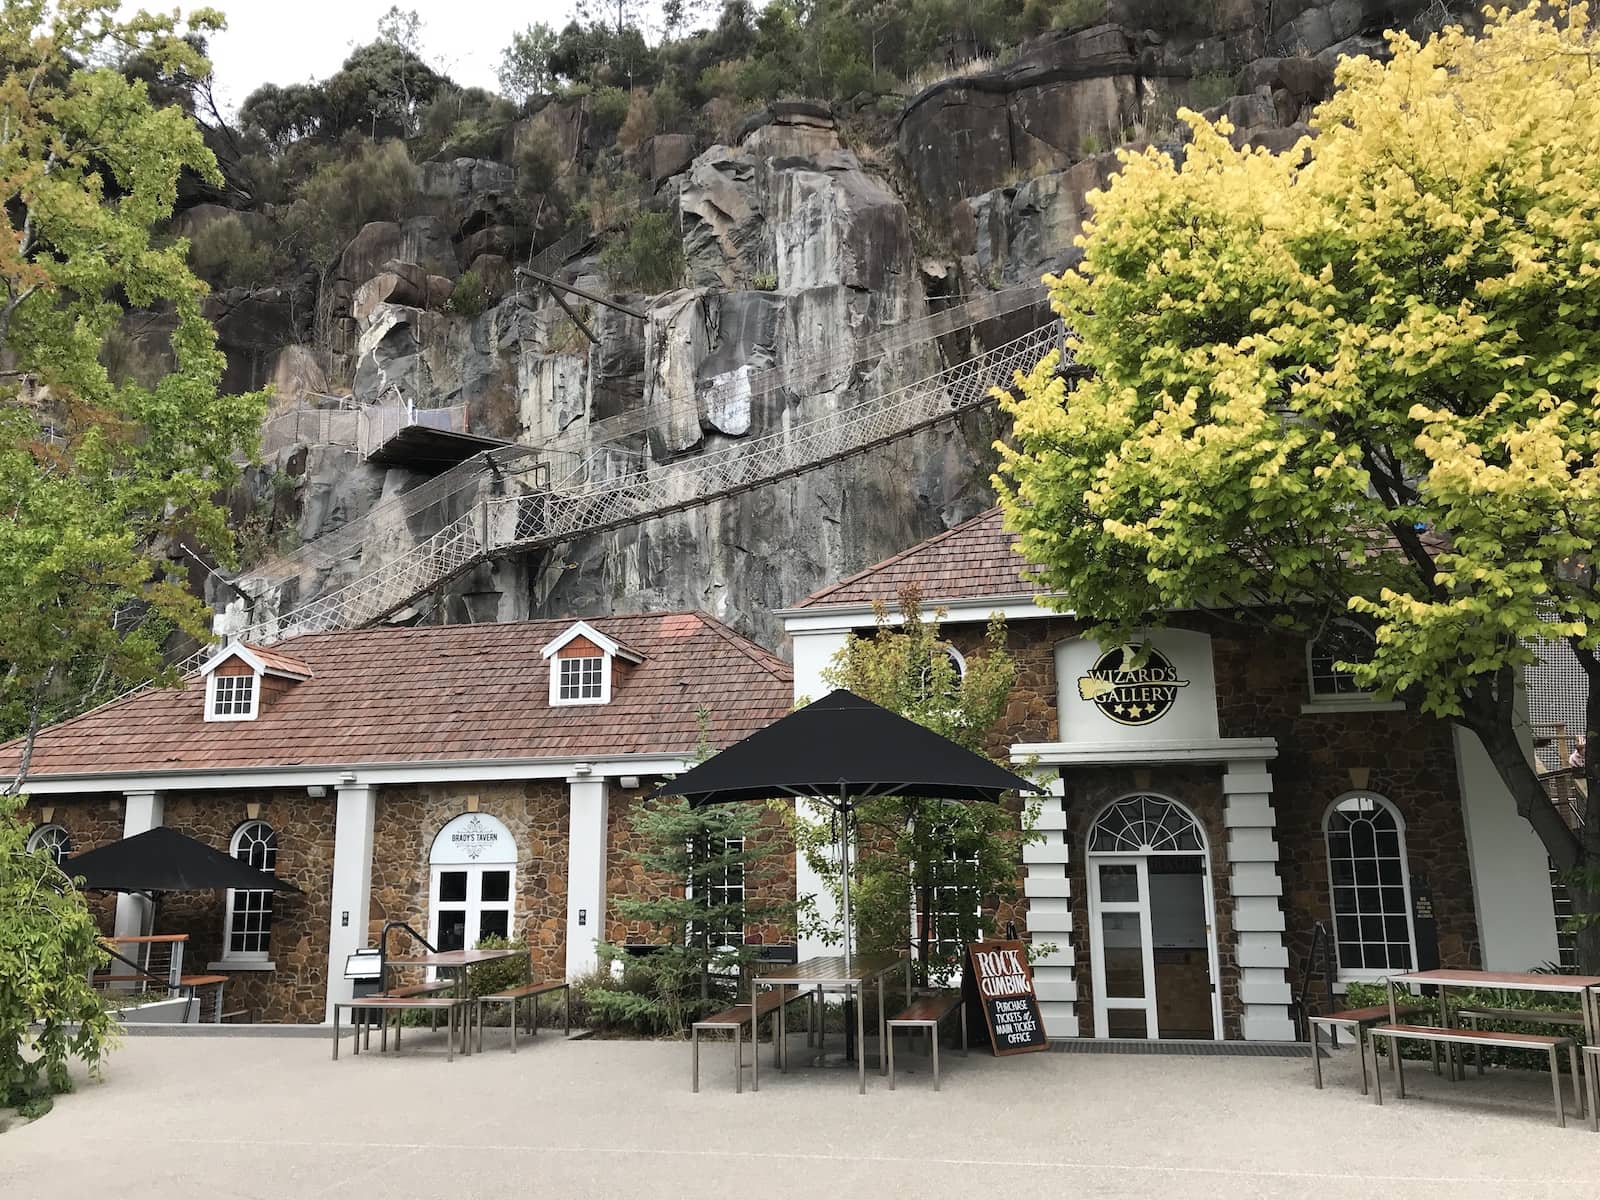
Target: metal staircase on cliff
[(573, 495)]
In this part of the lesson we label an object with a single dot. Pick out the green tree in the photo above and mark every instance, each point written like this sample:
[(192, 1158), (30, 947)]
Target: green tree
[(1356, 383), (99, 477), (647, 257), (49, 1014), (695, 856), (525, 64), (929, 873)]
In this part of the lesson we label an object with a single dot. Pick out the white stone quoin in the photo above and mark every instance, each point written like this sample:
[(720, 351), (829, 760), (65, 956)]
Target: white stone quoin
[(351, 896), (1048, 889), (586, 872), (1258, 922)]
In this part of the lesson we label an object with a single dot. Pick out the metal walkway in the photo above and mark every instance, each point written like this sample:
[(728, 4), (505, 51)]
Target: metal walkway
[(585, 502)]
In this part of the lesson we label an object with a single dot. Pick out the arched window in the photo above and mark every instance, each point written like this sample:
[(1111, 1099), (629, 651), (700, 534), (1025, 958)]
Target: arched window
[(1145, 825), (471, 896), (1371, 889), (249, 925), (53, 838)]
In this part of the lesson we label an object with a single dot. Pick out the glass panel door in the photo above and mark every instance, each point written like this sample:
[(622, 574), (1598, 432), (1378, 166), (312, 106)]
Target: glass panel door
[(1119, 932)]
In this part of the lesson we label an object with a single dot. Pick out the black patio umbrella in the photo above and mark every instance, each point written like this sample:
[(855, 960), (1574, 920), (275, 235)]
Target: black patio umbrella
[(839, 750), (164, 860)]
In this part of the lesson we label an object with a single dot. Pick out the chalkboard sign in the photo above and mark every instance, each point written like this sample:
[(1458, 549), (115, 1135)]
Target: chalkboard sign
[(998, 978)]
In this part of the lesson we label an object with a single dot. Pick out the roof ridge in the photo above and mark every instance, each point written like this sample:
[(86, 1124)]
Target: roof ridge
[(400, 630), (882, 564)]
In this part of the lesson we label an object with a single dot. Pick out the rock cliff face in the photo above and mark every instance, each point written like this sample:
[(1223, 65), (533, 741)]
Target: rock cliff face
[(796, 251)]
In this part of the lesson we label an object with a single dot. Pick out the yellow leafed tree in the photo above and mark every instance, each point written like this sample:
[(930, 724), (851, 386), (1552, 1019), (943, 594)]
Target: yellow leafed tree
[(1356, 383)]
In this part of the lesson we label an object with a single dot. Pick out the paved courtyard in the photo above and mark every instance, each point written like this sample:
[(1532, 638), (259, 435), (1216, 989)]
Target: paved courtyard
[(256, 1118)]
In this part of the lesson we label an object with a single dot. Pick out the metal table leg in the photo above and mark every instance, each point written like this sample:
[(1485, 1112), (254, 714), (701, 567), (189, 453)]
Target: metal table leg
[(1316, 1055), (755, 1068), (861, 1035), (883, 1026), (336, 1033), (1555, 1087), (1394, 1053)]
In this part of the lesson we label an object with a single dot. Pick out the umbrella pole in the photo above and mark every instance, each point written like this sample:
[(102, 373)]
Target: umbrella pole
[(851, 1048)]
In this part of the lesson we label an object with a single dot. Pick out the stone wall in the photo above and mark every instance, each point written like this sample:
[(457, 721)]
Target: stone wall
[(91, 822), (535, 813), (296, 991)]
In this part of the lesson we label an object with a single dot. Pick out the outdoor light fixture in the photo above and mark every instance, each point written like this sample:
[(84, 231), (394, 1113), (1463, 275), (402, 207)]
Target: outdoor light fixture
[(628, 782), (316, 791), (347, 777), (581, 768)]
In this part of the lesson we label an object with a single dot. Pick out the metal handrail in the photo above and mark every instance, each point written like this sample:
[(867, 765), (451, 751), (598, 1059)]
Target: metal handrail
[(1320, 937), (383, 950)]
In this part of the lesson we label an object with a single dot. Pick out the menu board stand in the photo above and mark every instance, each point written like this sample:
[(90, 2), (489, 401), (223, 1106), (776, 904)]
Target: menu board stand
[(997, 980)]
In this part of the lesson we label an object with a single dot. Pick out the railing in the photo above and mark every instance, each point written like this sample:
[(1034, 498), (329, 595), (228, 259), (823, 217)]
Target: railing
[(378, 424), (309, 427), (1320, 940)]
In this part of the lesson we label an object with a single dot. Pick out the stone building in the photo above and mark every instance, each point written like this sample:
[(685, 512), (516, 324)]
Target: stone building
[(1213, 802), (468, 779)]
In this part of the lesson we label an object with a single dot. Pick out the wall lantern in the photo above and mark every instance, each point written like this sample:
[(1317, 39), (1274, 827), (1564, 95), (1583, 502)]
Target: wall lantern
[(317, 791)]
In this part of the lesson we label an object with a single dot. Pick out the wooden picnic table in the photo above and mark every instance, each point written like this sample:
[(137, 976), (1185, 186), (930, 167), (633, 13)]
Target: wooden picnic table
[(829, 973), (1585, 987), (460, 962)]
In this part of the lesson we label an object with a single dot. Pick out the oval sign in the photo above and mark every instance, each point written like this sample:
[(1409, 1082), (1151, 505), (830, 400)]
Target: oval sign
[(1131, 695)]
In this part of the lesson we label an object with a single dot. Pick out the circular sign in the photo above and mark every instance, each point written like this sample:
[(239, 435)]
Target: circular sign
[(1132, 695)]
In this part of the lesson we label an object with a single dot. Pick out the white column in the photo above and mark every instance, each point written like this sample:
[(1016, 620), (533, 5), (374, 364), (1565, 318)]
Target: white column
[(350, 905), (142, 812), (813, 655), (1258, 922), (586, 873), (1048, 888)]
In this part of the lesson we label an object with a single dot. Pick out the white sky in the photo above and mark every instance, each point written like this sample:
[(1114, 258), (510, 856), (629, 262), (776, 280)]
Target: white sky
[(292, 41)]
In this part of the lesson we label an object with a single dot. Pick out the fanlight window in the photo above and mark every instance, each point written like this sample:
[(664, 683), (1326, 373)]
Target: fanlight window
[(1145, 825)]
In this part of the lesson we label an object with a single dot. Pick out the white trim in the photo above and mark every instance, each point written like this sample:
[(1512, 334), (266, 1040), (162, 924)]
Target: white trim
[(1352, 702), (842, 618), (237, 649), (36, 840), (242, 964), (228, 913), (1369, 974), (1202, 750), (211, 713), (583, 629), (370, 774)]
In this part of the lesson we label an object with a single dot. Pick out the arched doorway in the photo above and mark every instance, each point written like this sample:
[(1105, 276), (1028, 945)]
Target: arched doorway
[(1152, 935), (471, 887)]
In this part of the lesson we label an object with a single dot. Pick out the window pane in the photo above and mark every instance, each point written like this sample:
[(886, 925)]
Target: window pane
[(1119, 881), (1123, 940), (493, 923), (452, 885), (1371, 921), (496, 885), (452, 929)]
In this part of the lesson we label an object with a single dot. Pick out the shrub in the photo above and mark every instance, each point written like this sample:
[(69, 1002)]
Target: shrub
[(537, 159), (648, 257), (226, 254), (497, 976), (378, 184), (639, 126), (608, 109), (471, 297)]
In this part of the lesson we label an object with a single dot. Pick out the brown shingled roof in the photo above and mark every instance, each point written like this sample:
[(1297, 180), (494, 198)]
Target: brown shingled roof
[(969, 562), (274, 661), (440, 693)]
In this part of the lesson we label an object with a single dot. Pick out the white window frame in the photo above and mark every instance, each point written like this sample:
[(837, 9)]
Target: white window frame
[(254, 958), (557, 668), (212, 714), (446, 856), (1351, 701), (725, 887), (1365, 974), (46, 837)]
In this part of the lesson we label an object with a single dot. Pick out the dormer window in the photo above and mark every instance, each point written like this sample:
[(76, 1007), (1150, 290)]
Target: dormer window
[(582, 665), (233, 698), (240, 679), (582, 679)]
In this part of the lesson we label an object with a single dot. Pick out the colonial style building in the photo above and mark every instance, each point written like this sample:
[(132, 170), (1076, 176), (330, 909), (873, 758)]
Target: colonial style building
[(469, 780), (1215, 800)]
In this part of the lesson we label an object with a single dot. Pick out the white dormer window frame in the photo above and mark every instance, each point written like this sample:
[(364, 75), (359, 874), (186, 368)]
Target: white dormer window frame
[(222, 701), (580, 674)]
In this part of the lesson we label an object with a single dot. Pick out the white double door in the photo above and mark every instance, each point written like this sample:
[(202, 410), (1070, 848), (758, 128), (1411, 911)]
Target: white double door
[(1122, 946)]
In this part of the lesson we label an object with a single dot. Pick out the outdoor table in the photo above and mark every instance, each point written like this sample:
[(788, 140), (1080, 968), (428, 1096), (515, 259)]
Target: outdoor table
[(459, 961), (1583, 985), (829, 974)]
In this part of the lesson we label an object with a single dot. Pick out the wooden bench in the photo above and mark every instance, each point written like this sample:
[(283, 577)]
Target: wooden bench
[(449, 1005), (1473, 1015), (734, 1019), (515, 996), (1358, 1020), (1395, 1034), (416, 989), (926, 1014)]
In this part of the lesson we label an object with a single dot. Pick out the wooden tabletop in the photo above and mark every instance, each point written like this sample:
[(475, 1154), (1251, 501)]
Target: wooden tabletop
[(1515, 980), (456, 958), (830, 969)]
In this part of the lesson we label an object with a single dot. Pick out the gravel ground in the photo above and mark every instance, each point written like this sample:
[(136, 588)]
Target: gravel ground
[(259, 1118)]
